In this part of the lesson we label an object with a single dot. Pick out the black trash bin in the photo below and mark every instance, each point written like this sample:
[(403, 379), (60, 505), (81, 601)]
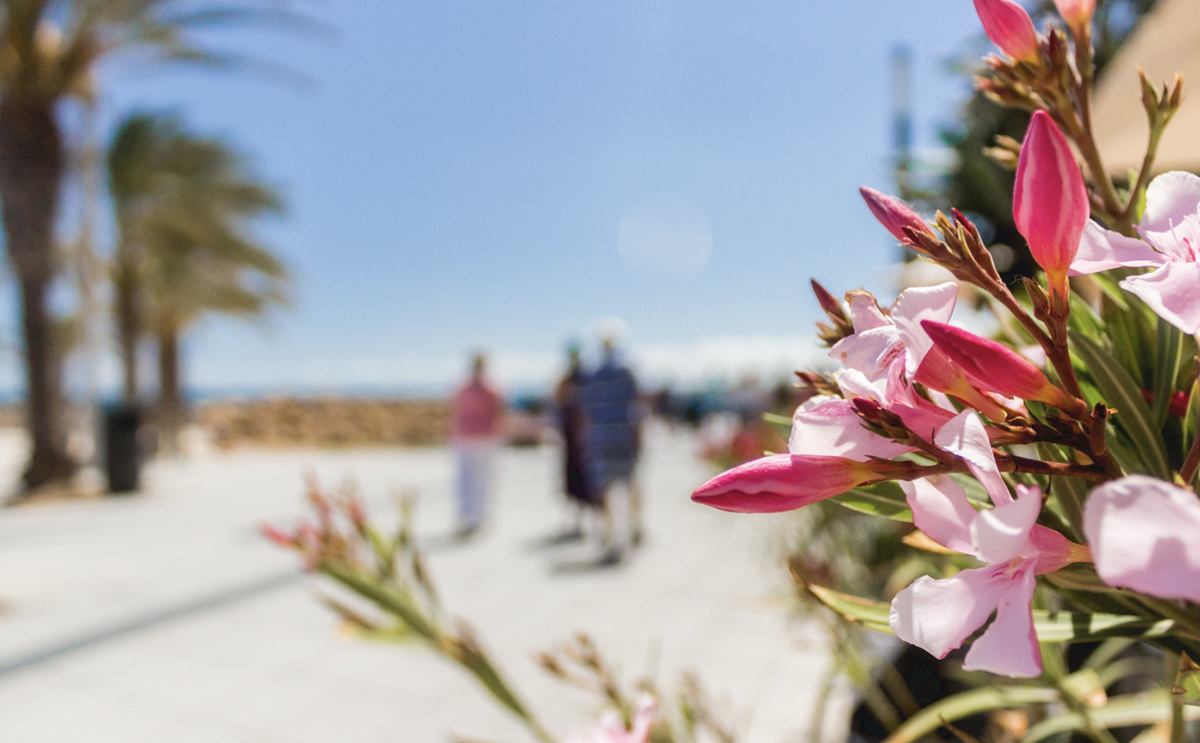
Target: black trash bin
[(122, 460)]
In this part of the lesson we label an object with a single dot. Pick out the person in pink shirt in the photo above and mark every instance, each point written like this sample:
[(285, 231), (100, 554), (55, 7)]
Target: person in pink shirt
[(475, 416)]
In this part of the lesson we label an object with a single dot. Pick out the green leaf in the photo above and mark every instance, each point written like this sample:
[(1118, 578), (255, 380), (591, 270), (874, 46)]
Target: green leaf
[(1124, 395), (1186, 689), (883, 499), (969, 703), (1059, 626), (1166, 367), (1068, 492), (1145, 708)]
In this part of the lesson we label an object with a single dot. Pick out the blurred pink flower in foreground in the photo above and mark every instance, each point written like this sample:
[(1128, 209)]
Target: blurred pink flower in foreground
[(939, 615), (611, 729), (1171, 226), (1050, 200), (1009, 27), (1143, 536)]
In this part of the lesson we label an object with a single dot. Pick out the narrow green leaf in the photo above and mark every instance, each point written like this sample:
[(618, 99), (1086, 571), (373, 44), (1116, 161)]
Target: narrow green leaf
[(1166, 367), (1068, 492), (1059, 626), (884, 499), (1145, 708), (1186, 689), (969, 703), (1124, 395)]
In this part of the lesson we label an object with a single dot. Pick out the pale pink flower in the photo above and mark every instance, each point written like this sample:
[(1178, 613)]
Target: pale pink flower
[(939, 615), (1050, 200), (1170, 228), (610, 728), (828, 426), (1009, 27), (882, 342), (1143, 534)]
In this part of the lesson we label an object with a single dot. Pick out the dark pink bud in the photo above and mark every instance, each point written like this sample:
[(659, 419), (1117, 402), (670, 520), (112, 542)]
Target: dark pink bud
[(1050, 201), (893, 214), (994, 366), (785, 482), (1009, 27)]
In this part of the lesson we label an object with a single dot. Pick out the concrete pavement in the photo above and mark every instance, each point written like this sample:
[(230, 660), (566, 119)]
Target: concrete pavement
[(165, 617)]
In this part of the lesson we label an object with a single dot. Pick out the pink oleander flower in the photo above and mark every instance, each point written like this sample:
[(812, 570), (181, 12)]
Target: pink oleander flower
[(894, 215), (882, 342), (939, 615), (1009, 27), (1142, 533), (1077, 13), (1050, 201), (995, 367), (610, 728), (828, 426), (1170, 244), (785, 482)]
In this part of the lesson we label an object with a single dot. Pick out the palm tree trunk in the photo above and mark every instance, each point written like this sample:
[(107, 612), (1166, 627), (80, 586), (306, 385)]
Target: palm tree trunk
[(31, 170), (170, 390), (128, 311)]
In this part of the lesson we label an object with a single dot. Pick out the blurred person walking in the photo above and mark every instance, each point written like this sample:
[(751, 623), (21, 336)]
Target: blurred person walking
[(613, 443), (572, 421), (475, 416)]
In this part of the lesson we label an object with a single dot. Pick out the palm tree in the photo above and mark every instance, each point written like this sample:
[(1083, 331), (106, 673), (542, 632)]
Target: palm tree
[(48, 53), (185, 205)]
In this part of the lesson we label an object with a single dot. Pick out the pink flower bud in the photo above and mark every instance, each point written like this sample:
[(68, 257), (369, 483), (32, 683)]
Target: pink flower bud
[(785, 482), (893, 214), (1050, 202), (1077, 13), (995, 367), (1009, 27)]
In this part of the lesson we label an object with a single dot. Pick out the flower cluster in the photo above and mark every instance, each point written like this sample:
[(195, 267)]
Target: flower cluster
[(923, 402)]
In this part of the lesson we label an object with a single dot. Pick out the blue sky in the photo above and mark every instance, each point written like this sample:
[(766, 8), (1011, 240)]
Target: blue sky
[(459, 170)]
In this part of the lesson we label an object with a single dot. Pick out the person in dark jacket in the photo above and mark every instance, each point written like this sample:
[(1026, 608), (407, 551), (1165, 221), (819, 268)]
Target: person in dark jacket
[(572, 420), (613, 441)]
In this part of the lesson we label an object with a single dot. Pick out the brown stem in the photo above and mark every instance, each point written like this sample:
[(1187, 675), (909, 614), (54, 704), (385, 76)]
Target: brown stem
[(1085, 138), (1127, 214)]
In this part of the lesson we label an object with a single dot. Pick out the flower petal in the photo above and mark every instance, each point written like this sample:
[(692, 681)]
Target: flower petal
[(1181, 241), (1172, 291), (1002, 533), (1170, 198), (965, 437), (870, 351), (864, 312), (1009, 645), (1101, 249), (854, 383), (941, 510), (1143, 534), (917, 304), (938, 615), (830, 427)]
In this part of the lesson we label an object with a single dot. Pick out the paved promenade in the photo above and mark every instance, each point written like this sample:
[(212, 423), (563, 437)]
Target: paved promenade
[(164, 617)]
